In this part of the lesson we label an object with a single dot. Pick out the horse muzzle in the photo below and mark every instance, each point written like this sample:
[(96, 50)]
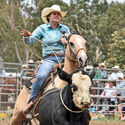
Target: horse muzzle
[(82, 59)]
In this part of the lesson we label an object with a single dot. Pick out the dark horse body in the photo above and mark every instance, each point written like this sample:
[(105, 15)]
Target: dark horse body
[(53, 112)]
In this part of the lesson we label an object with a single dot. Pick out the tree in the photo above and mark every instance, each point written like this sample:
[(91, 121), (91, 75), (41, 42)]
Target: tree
[(10, 30), (116, 50), (113, 20)]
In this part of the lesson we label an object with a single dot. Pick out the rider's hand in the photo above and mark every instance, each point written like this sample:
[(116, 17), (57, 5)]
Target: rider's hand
[(63, 40), (25, 33)]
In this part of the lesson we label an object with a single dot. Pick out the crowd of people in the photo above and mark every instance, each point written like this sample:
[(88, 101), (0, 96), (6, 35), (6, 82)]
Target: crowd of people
[(113, 92)]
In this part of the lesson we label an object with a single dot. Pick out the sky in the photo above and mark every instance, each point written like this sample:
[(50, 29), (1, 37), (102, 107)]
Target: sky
[(67, 1)]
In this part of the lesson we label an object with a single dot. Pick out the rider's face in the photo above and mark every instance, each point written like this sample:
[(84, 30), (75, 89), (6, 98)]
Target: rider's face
[(55, 17)]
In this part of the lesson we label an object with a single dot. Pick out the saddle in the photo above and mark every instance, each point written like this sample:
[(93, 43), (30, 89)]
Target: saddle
[(28, 85)]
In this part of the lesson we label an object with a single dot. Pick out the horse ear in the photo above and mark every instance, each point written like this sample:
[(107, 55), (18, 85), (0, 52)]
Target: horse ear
[(63, 75), (67, 35), (92, 74)]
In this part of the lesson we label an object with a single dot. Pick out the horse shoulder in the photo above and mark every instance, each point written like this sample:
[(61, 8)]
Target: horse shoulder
[(58, 83), (22, 99)]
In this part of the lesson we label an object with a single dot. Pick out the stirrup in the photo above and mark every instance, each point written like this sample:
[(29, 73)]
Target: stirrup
[(29, 115)]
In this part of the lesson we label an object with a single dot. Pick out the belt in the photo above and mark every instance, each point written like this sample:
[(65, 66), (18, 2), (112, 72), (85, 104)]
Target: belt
[(50, 55)]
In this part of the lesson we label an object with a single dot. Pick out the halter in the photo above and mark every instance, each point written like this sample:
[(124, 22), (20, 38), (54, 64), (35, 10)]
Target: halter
[(66, 106)]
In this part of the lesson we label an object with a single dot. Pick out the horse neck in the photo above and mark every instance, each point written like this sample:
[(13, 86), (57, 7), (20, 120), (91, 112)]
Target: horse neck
[(69, 65)]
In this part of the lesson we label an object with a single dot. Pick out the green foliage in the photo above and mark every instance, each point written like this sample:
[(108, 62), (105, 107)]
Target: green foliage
[(116, 51)]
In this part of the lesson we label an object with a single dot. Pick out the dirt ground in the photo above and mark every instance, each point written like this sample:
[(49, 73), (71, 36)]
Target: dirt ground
[(107, 122), (6, 122)]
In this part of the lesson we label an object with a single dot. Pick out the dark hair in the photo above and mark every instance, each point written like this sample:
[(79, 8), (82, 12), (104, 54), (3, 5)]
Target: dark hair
[(95, 65), (76, 32), (48, 16)]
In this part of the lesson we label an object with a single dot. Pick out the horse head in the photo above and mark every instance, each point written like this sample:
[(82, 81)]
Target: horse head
[(76, 49), (80, 83)]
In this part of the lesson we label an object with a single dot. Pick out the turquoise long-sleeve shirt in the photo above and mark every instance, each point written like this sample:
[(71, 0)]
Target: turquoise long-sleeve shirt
[(49, 36)]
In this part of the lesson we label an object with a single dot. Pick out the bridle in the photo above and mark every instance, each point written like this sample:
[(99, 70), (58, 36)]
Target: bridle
[(72, 53)]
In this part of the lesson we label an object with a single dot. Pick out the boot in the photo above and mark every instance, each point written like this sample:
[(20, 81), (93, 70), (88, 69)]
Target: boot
[(28, 110)]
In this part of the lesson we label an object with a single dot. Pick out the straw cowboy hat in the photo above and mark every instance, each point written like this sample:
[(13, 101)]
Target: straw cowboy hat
[(46, 11), (30, 61), (102, 64), (24, 66), (115, 67)]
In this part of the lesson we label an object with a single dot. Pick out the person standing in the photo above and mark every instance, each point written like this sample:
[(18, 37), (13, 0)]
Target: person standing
[(114, 75), (109, 92), (52, 34)]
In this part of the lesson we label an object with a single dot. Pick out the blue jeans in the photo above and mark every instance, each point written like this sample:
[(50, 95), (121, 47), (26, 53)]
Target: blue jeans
[(42, 75)]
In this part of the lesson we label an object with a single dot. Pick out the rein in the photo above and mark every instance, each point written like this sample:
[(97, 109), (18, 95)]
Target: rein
[(66, 106)]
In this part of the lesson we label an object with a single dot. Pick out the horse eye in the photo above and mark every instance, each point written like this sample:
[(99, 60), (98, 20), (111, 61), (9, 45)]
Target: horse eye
[(71, 44), (73, 87)]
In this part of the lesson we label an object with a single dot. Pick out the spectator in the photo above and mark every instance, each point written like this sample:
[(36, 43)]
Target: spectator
[(96, 83), (30, 69), (109, 91), (115, 73), (121, 92), (104, 75), (98, 74), (121, 106), (23, 70), (3, 73), (104, 72), (120, 84)]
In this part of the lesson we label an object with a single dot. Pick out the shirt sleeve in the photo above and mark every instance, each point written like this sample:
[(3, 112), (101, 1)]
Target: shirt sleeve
[(36, 34)]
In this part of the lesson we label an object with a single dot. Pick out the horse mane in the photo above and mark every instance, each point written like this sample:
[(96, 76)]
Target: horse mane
[(76, 32)]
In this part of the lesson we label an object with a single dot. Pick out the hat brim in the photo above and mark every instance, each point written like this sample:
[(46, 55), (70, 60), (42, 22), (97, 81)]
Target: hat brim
[(47, 11)]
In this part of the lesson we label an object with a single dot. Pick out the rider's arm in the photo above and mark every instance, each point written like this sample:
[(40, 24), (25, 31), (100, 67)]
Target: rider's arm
[(37, 34), (64, 30)]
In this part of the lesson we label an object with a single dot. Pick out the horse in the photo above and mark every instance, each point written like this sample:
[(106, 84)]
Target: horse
[(75, 56), (68, 105)]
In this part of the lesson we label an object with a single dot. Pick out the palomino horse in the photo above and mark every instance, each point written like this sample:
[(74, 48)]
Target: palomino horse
[(75, 56)]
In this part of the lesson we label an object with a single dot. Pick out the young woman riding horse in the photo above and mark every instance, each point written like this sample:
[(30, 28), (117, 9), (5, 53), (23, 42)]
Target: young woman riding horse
[(49, 33)]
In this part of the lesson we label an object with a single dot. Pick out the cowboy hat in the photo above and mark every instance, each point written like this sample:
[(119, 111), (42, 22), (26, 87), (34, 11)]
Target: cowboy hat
[(102, 64), (30, 61), (46, 11), (24, 66), (115, 67)]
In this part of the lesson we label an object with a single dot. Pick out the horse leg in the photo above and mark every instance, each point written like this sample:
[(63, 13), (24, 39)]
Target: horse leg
[(20, 104)]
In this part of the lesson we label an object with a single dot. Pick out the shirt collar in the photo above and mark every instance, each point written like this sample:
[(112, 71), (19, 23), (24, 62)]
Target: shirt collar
[(48, 25)]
